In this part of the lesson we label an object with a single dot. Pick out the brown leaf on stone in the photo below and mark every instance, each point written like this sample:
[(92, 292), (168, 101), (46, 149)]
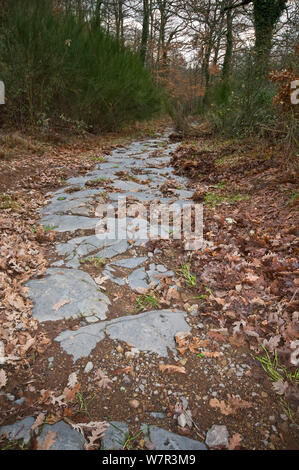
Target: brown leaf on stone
[(48, 441), (60, 304), (39, 421)]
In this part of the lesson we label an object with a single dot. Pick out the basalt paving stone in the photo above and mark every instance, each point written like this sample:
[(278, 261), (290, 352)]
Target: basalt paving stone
[(67, 293), (66, 438), (19, 430), (115, 436), (165, 440), (79, 247), (74, 207), (158, 330), (77, 181), (144, 279), (117, 248), (128, 186), (138, 280), (69, 223), (129, 263)]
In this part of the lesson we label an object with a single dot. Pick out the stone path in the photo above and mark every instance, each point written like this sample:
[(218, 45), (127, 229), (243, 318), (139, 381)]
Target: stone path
[(67, 291)]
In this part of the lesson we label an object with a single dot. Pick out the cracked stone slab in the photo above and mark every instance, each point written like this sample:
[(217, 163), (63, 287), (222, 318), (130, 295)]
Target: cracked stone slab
[(19, 430), (69, 223), (115, 249), (76, 288), (74, 206), (128, 186), (141, 279), (151, 332), (79, 247), (115, 436), (165, 440), (138, 280), (130, 263), (66, 437)]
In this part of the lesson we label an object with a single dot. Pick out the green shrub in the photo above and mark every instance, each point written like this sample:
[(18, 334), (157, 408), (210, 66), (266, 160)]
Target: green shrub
[(244, 105), (57, 65)]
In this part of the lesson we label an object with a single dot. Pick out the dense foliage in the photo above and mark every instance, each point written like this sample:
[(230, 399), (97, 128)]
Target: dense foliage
[(59, 67)]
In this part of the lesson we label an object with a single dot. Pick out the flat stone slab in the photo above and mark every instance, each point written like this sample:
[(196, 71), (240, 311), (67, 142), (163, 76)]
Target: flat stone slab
[(61, 205), (69, 223), (66, 293), (141, 280), (80, 247), (151, 332), (19, 430), (165, 440), (129, 263), (138, 280), (128, 186), (115, 249), (66, 437), (115, 436)]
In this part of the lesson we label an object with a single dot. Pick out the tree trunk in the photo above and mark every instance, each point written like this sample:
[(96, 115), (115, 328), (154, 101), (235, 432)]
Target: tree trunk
[(266, 14), (145, 31), (227, 64)]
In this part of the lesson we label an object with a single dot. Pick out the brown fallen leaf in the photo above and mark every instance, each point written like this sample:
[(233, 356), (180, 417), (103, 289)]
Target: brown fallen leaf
[(224, 408), (172, 369), (102, 380), (212, 354), (60, 304), (235, 442), (231, 407), (3, 378), (48, 441), (125, 370), (39, 421), (71, 393)]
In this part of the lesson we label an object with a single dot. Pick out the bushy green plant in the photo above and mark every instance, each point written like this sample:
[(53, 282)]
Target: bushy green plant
[(244, 105), (56, 64)]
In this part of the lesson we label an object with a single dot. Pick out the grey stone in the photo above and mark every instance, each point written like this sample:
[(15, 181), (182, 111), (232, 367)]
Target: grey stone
[(57, 206), (158, 331), (80, 247), (165, 440), (156, 415), (69, 223), (129, 263), (19, 430), (115, 249), (128, 186), (115, 436), (217, 436), (88, 368), (161, 269), (60, 285), (66, 437), (137, 280), (20, 401)]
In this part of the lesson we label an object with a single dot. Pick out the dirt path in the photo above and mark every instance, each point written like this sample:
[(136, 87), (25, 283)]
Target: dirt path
[(129, 346)]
